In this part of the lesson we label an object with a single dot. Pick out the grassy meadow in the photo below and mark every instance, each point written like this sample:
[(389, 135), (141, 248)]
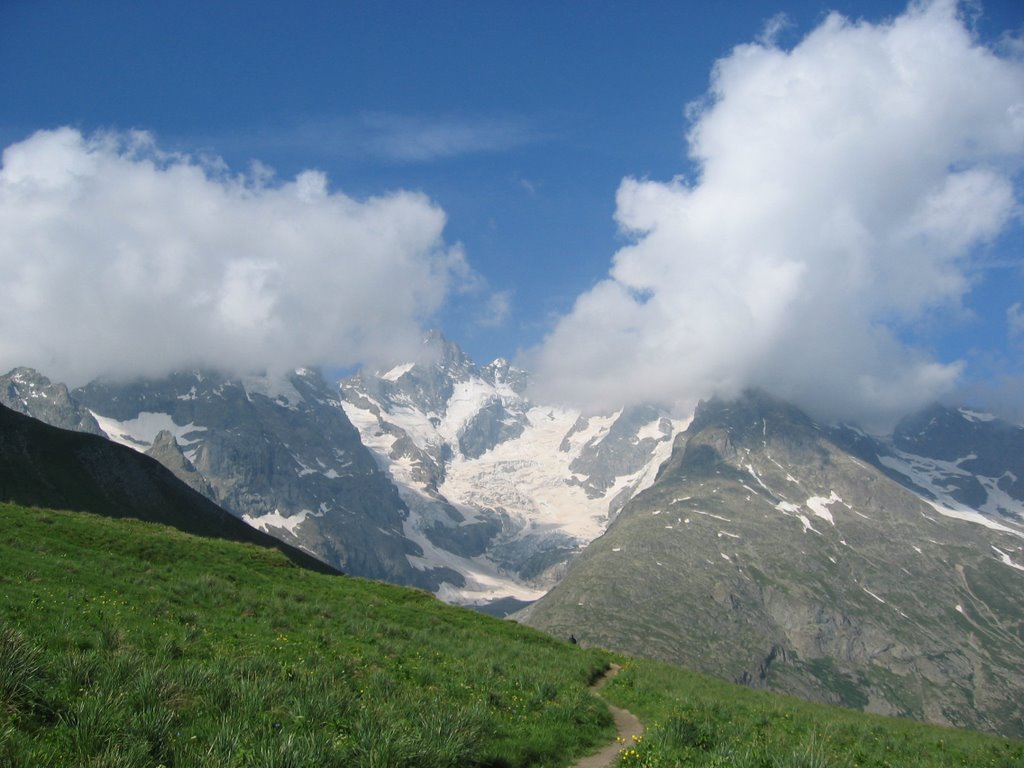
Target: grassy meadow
[(700, 721), (130, 644)]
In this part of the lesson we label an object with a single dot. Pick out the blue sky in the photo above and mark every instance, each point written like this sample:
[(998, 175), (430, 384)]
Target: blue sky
[(518, 120)]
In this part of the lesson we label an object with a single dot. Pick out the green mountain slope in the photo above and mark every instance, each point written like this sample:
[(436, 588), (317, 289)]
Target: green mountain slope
[(129, 644), (768, 555)]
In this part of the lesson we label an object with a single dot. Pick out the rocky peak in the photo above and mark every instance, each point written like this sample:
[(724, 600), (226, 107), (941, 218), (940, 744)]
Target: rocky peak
[(749, 415), (625, 448), (952, 434), (724, 431), (166, 450), (426, 383), (29, 392), (501, 373)]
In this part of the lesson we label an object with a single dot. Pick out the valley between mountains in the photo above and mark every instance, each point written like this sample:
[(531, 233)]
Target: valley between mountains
[(883, 573)]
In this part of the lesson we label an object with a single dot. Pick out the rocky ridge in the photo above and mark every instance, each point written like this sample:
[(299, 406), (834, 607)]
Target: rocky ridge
[(48, 467)]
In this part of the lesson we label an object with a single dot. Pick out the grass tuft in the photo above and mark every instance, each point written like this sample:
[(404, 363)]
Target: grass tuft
[(20, 666)]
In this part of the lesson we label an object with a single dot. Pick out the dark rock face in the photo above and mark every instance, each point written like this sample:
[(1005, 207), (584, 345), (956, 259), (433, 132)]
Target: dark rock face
[(988, 453), (956, 457), (166, 450), (491, 425), (621, 451)]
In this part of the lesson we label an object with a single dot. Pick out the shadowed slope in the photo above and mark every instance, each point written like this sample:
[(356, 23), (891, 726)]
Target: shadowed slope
[(45, 466)]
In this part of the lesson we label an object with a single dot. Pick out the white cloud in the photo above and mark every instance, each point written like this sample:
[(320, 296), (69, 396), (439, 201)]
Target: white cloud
[(121, 259), (773, 29), (842, 187)]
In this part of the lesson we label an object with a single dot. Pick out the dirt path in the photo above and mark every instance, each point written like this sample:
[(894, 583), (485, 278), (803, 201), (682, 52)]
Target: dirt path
[(626, 724)]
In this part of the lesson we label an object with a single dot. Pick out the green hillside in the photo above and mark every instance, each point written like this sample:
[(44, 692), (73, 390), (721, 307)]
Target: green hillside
[(130, 644), (125, 643), (699, 721)]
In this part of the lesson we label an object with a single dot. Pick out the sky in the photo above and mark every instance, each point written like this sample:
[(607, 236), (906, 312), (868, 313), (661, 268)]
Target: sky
[(640, 202)]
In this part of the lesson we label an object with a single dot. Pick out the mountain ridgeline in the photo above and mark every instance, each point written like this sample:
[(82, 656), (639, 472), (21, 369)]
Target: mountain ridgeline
[(438, 473), (769, 553)]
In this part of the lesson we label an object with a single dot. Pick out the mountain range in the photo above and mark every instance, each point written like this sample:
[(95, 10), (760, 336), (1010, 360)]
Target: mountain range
[(438, 473), (878, 572), (499, 488)]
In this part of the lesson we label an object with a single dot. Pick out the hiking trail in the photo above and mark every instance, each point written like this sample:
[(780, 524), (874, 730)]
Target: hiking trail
[(627, 725)]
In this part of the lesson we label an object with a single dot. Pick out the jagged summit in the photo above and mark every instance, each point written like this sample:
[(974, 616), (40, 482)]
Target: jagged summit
[(27, 391), (501, 488)]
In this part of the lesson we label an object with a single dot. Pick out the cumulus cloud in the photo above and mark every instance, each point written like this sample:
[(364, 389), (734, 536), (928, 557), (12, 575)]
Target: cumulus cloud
[(842, 187), (773, 29), (122, 259)]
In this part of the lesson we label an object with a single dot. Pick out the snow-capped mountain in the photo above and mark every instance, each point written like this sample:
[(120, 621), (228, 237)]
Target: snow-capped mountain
[(27, 391), (276, 451), (879, 572), (499, 488), (454, 481), (960, 460), (443, 474)]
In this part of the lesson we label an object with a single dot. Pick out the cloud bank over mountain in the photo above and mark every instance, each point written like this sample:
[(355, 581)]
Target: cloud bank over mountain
[(121, 259), (843, 189)]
